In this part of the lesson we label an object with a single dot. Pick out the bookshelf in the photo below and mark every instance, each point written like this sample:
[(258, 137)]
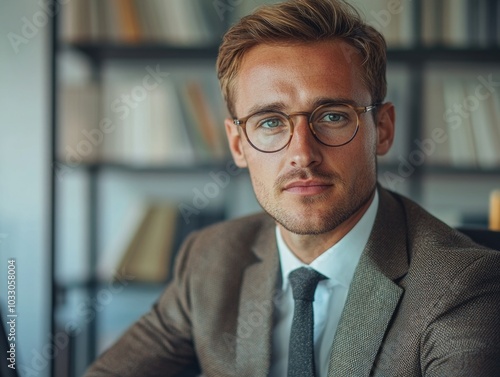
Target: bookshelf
[(422, 51)]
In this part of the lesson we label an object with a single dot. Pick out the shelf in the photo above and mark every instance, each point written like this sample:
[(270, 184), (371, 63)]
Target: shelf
[(64, 287), (428, 169), (433, 169), (450, 170), (105, 51), (155, 169), (444, 54)]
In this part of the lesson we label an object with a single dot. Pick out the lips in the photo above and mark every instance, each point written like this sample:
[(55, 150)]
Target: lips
[(307, 187)]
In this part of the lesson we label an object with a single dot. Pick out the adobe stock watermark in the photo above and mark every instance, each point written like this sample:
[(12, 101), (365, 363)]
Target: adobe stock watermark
[(454, 117), (30, 27), (202, 196), (382, 18), (256, 315), (39, 359), (122, 107), (379, 20)]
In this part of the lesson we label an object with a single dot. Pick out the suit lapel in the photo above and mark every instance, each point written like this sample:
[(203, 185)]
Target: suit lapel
[(373, 295), (255, 314)]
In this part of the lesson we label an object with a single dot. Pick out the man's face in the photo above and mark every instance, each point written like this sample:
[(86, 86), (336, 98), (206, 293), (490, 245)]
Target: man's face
[(307, 187)]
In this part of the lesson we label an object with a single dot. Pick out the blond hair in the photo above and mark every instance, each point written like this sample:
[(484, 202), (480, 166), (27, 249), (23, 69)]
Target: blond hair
[(304, 21)]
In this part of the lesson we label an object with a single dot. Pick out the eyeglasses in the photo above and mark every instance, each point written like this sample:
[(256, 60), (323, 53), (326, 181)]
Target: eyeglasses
[(332, 124)]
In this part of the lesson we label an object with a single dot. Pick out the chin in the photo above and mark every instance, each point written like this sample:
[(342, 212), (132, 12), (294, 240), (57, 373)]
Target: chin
[(307, 224), (313, 217)]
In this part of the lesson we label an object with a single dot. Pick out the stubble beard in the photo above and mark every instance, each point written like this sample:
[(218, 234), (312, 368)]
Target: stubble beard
[(334, 210)]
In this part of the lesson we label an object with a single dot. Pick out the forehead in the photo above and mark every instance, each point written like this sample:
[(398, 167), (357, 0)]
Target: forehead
[(297, 74)]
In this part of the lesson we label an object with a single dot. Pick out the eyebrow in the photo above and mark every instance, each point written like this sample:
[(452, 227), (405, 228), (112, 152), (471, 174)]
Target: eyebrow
[(338, 100), (280, 106)]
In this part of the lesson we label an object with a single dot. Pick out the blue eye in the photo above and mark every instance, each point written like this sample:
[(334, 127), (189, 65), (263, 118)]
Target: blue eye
[(271, 123), (332, 117)]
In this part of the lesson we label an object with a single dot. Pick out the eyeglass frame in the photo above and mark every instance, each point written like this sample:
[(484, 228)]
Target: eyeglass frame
[(357, 109)]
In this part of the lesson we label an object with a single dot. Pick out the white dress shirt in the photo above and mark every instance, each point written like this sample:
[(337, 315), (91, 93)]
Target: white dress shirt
[(338, 264)]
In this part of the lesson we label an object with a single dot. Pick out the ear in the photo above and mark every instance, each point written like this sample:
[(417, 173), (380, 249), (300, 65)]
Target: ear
[(233, 134), (386, 120)]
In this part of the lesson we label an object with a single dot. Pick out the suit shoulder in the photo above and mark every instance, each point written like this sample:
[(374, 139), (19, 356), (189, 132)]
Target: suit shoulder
[(425, 228), (441, 250), (230, 238), (237, 227)]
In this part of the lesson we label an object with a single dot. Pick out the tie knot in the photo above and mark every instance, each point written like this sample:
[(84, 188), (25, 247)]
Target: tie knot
[(304, 281)]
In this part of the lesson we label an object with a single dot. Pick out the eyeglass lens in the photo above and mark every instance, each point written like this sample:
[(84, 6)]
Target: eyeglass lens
[(333, 125)]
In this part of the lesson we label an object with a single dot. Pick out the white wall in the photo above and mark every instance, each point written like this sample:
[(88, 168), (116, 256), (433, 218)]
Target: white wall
[(24, 177)]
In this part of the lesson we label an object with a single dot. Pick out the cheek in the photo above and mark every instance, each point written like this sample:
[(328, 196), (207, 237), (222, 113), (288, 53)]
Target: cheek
[(260, 170), (368, 140), (262, 184), (359, 156), (263, 170), (364, 144)]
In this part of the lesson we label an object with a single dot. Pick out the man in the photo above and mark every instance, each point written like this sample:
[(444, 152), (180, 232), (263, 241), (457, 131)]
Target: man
[(395, 292)]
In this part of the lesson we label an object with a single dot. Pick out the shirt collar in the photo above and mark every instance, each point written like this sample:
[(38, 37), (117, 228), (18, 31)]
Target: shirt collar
[(339, 262)]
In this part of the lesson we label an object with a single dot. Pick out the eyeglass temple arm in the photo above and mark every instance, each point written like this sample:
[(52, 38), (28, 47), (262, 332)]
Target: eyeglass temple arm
[(370, 108)]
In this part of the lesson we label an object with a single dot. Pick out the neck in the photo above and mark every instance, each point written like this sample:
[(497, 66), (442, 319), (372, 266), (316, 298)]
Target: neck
[(307, 247)]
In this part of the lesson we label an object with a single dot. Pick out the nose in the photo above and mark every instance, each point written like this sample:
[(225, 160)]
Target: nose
[(303, 150)]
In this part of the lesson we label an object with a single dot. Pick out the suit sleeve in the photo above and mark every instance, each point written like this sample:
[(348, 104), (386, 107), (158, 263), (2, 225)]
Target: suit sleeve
[(160, 343), (464, 339)]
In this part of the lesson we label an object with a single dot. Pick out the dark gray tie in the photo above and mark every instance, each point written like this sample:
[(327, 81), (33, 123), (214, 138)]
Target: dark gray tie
[(301, 352)]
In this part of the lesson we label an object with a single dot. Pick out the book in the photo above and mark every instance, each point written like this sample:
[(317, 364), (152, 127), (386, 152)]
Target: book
[(148, 132), (392, 19), (494, 218), (180, 22), (457, 101), (190, 29), (461, 137), (199, 22), (483, 26), (483, 124), (147, 258), (130, 29), (459, 23), (493, 23), (113, 149), (96, 20), (206, 123), (78, 117), (75, 22), (110, 20), (108, 264), (454, 19), (216, 103), (433, 118), (495, 106), (430, 22), (398, 82), (171, 143), (407, 25), (497, 18), (150, 237)]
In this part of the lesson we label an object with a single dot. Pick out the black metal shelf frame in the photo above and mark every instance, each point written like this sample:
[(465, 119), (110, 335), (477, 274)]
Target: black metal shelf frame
[(418, 54), (427, 169)]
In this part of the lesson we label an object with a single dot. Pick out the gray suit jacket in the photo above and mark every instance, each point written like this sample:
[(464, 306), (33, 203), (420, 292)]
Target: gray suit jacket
[(424, 301)]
